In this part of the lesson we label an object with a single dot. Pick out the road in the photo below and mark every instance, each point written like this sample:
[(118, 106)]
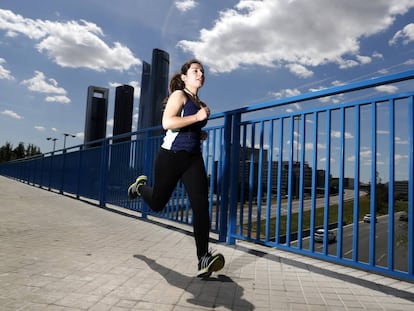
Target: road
[(381, 242), (319, 202), (381, 233)]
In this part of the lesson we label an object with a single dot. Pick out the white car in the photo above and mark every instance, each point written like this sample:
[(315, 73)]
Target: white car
[(367, 218), (319, 234)]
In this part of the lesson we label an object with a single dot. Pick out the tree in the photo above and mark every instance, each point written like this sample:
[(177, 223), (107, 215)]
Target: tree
[(32, 150), (19, 152), (7, 153)]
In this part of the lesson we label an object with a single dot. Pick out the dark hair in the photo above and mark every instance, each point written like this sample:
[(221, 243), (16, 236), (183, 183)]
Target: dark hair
[(176, 83)]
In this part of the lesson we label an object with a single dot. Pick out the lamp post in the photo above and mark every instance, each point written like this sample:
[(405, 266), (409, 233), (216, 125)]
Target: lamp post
[(297, 118), (54, 142), (64, 138), (297, 173)]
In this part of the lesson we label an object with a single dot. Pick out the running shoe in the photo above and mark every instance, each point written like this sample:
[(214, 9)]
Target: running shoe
[(210, 263), (133, 190)]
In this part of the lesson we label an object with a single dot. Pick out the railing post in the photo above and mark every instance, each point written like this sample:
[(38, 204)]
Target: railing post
[(224, 177), (78, 182), (234, 174), (104, 171), (62, 184), (147, 167)]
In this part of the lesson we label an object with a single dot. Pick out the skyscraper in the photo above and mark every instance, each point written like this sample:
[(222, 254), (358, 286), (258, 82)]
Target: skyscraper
[(144, 113), (124, 106), (153, 93), (96, 114)]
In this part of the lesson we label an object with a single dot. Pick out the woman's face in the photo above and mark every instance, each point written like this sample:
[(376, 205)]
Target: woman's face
[(194, 78)]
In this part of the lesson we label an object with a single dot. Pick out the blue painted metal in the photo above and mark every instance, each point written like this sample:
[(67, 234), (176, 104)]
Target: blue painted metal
[(373, 188), (341, 183), (355, 244), (269, 181), (314, 185), (301, 179), (225, 185), (391, 165), (327, 181), (232, 227), (410, 269), (262, 186)]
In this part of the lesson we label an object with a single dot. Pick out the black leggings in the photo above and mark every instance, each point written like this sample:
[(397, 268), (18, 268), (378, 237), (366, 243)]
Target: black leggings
[(169, 168)]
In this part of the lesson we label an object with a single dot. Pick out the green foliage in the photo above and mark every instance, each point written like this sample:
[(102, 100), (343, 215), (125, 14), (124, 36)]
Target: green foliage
[(7, 153)]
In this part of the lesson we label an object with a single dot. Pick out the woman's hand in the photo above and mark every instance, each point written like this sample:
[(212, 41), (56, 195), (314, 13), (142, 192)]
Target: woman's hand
[(203, 114)]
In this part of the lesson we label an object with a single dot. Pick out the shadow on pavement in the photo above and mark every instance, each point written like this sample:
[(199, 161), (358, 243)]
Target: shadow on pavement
[(211, 292), (401, 293)]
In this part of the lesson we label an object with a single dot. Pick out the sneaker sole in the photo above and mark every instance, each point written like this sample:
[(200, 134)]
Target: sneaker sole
[(214, 266), (217, 264)]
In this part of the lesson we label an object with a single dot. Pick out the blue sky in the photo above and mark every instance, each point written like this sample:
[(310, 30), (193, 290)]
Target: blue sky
[(253, 51)]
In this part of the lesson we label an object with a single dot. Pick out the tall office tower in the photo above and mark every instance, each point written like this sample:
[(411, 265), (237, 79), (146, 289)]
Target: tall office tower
[(151, 103), (124, 106), (159, 83), (143, 120), (96, 113)]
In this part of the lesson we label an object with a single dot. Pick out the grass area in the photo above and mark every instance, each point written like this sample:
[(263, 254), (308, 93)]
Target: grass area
[(348, 214)]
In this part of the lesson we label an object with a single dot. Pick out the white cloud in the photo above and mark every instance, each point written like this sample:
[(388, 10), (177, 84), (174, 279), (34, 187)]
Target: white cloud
[(377, 54), (40, 128), (299, 70), (39, 83), (12, 114), (4, 73), (406, 35), (400, 141), (58, 99), (364, 59), (347, 63), (137, 89), (399, 157), (387, 88), (286, 93), (266, 33), (185, 5), (70, 44), (351, 158), (337, 134)]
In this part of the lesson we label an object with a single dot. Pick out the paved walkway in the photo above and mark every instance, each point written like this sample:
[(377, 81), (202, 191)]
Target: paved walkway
[(58, 253)]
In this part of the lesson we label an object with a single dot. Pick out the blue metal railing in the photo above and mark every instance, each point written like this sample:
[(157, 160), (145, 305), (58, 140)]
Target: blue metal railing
[(278, 174)]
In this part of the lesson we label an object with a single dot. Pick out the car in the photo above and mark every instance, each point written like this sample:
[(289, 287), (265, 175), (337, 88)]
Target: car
[(367, 218), (403, 217), (319, 234)]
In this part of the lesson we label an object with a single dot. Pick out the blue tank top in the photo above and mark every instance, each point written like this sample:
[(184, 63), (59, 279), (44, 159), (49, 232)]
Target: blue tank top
[(187, 138)]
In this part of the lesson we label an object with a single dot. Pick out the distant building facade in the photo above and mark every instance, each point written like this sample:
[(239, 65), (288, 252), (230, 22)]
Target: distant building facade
[(124, 106), (96, 115), (144, 106), (154, 89)]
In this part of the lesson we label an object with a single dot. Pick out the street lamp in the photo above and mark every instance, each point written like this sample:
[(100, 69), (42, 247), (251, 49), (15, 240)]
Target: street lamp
[(64, 138), (297, 173), (297, 118), (54, 142)]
